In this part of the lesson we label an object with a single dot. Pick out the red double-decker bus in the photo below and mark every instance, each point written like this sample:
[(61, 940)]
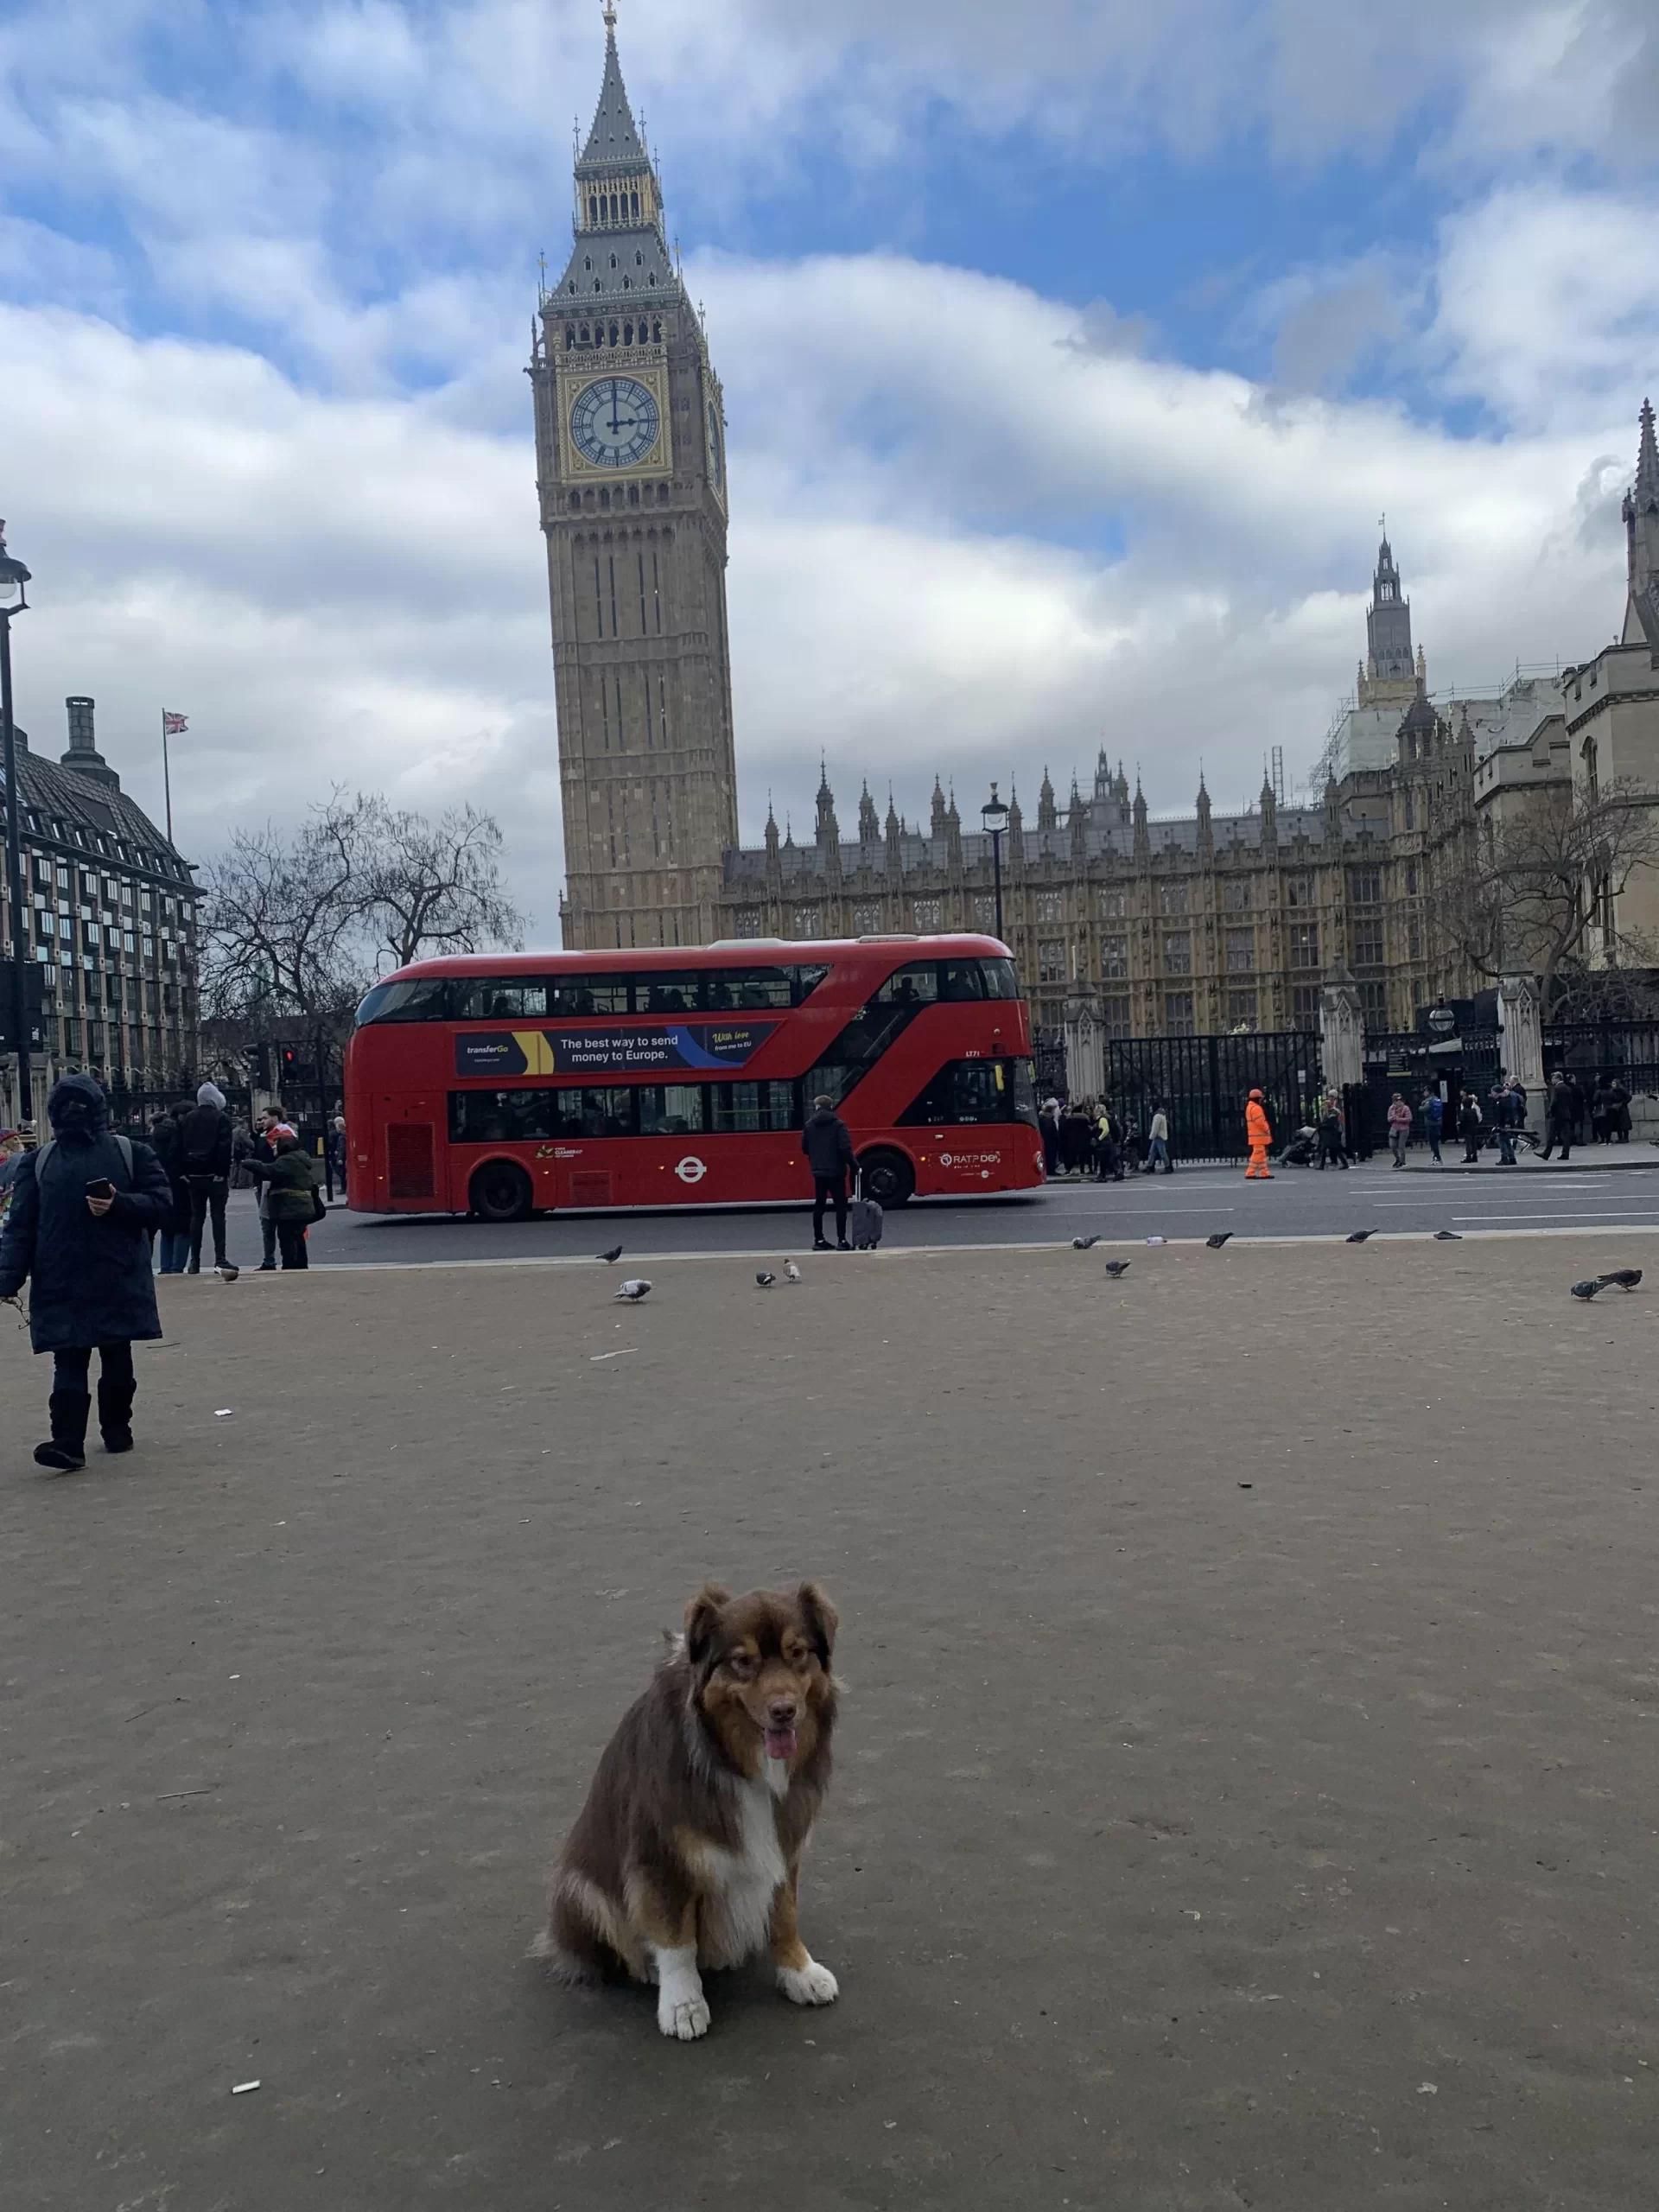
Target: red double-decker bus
[(504, 1084)]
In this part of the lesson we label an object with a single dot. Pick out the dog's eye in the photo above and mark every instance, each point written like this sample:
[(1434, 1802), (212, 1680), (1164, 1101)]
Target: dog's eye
[(742, 1663)]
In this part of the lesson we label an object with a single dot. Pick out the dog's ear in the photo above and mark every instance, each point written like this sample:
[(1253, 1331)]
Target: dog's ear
[(821, 1619), (702, 1621)]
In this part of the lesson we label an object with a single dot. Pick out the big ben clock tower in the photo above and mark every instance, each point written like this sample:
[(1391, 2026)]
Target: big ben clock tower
[(631, 467)]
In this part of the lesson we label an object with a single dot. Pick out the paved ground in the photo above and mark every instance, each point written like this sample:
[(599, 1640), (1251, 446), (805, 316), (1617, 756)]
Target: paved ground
[(1195, 1844), (1298, 1202)]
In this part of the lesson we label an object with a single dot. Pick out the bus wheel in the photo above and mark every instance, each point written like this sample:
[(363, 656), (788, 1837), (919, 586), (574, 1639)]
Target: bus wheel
[(500, 1192), (888, 1178)]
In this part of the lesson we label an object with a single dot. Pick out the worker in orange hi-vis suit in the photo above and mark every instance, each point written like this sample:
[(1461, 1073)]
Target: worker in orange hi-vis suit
[(1259, 1131)]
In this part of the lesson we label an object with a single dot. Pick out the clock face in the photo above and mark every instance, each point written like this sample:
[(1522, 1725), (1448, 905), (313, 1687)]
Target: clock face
[(717, 455), (615, 421)]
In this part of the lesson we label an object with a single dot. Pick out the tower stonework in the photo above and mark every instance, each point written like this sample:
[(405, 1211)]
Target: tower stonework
[(631, 470)]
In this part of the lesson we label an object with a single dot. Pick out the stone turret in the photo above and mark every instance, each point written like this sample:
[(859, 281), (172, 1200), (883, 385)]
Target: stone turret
[(1047, 814), (869, 825), (1641, 512), (895, 830), (1013, 845), (1206, 836), (953, 834), (1142, 840), (1076, 821), (937, 818), (1269, 817)]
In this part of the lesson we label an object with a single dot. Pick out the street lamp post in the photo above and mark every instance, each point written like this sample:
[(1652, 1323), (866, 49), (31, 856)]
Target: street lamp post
[(13, 577), (995, 815)]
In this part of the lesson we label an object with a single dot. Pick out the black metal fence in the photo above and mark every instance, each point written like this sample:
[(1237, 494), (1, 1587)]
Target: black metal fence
[(1604, 1050), (1203, 1083)]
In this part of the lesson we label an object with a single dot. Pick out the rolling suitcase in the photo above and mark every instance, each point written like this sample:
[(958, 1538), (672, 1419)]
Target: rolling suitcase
[(863, 1221)]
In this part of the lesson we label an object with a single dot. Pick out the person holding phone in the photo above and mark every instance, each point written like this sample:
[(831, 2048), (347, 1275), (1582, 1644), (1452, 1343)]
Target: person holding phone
[(77, 1231)]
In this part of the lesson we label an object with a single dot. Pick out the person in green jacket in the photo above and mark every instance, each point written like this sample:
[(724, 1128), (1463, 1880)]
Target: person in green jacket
[(291, 1199)]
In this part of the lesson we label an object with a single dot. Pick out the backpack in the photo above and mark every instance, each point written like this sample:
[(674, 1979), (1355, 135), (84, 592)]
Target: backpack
[(124, 1146)]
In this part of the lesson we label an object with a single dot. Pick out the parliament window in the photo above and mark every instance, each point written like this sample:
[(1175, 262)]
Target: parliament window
[(1235, 895), (1368, 944), (1178, 952), (1305, 1001), (928, 914), (1114, 955), (1113, 906), (1299, 891), (1178, 1013), (809, 921), (1115, 1010), (1304, 944), (1241, 951), (1171, 898), (1051, 960), (749, 921), (1051, 905), (1366, 887), (867, 917), (1241, 1009), (984, 913)]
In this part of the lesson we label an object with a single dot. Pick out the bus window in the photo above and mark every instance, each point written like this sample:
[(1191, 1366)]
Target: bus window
[(748, 1107), (725, 989), (503, 1117), (583, 994), (670, 1110), (916, 984), (670, 993), (601, 1113), (506, 1001), (975, 1090), (807, 981), (999, 979), (423, 998), (962, 979)]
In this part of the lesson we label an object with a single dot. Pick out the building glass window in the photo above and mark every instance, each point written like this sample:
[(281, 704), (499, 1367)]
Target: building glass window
[(1051, 960), (1115, 1010), (1114, 955), (747, 923), (984, 912), (1374, 998), (1235, 895), (809, 921), (1113, 906), (1368, 944), (1241, 951), (1177, 951), (1178, 1013), (1305, 1001), (1051, 905), (929, 913), (1304, 944), (866, 917), (1366, 887), (1171, 898), (1241, 1009), (1299, 891)]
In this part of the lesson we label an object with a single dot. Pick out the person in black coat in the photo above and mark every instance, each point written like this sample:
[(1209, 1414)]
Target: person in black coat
[(78, 1226), (205, 1143), (828, 1143), (175, 1228)]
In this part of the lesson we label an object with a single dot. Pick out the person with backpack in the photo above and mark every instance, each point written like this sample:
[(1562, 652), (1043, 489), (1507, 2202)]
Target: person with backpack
[(290, 1197), (205, 1137), (1433, 1114), (828, 1143), (1469, 1127), (78, 1230)]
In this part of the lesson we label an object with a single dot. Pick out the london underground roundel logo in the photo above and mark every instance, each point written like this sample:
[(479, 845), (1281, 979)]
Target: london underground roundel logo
[(690, 1169)]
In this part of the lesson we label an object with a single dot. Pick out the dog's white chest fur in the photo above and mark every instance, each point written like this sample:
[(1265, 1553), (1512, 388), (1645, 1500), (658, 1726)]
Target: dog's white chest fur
[(745, 1879)]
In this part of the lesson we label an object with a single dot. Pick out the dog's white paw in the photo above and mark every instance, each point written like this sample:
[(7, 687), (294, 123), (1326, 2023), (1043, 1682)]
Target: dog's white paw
[(687, 2018), (808, 1985)]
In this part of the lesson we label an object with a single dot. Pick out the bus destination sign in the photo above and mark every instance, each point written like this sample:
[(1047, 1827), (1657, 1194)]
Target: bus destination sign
[(681, 1047)]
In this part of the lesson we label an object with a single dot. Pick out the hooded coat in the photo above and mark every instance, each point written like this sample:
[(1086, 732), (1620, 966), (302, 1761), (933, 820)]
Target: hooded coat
[(1257, 1128), (91, 1283)]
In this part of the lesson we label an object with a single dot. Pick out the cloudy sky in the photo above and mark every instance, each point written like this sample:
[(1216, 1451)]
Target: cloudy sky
[(1072, 353)]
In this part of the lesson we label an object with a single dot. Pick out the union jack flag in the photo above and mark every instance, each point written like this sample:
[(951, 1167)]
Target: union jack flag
[(174, 725)]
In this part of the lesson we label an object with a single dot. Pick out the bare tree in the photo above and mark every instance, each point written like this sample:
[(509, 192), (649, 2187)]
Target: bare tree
[(283, 919), (435, 887), (1537, 889)]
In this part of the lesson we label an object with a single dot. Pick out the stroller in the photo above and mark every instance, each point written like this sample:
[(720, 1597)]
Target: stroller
[(1302, 1149)]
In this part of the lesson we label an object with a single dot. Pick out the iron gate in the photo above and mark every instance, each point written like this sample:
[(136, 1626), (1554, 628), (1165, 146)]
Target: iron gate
[(1202, 1082)]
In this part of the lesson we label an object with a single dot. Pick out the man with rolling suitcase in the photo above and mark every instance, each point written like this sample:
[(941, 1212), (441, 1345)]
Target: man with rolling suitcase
[(828, 1143)]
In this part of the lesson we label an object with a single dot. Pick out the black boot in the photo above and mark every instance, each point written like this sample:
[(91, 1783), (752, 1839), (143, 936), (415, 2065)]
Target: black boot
[(67, 1449), (115, 1414)]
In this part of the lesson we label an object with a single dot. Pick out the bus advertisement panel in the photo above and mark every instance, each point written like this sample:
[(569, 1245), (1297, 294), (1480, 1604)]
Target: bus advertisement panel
[(506, 1084)]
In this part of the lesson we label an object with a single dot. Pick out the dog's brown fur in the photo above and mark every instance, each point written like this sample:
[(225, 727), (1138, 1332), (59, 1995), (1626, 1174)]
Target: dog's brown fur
[(691, 1834)]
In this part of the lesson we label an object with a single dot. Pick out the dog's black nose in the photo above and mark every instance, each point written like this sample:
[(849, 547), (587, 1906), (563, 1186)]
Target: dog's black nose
[(781, 1711)]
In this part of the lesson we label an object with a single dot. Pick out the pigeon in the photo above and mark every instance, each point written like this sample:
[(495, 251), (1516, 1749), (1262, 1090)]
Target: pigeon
[(1447, 1236), (634, 1289), (765, 1278), (1115, 1268), (1357, 1237), (1626, 1278), (1220, 1237), (611, 1257), (1589, 1288), (791, 1271), (227, 1273), (1084, 1243)]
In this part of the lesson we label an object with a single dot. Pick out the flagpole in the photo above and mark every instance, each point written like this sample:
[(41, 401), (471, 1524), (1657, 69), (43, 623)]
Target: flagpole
[(167, 780)]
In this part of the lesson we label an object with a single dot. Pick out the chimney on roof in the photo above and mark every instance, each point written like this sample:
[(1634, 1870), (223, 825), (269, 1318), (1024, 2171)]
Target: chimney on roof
[(83, 755)]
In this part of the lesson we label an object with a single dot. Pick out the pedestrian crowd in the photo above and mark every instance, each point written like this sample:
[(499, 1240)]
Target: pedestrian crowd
[(1088, 1138)]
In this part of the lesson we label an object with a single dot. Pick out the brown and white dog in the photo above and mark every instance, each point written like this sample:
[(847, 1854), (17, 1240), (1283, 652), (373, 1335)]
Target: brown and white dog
[(687, 1851)]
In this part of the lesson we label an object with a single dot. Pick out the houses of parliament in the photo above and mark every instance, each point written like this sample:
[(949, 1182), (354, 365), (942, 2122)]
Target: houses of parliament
[(1212, 922)]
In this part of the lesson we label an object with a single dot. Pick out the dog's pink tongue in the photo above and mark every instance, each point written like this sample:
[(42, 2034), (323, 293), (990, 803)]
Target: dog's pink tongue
[(780, 1743)]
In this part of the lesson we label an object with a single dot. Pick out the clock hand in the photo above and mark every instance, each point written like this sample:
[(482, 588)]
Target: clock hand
[(615, 423)]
